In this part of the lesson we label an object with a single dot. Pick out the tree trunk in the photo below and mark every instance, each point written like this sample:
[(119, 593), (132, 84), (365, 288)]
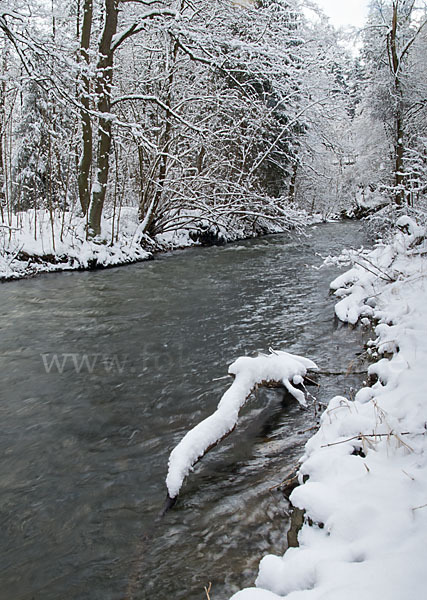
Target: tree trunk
[(103, 92), (87, 138), (395, 60), (399, 194), (292, 183)]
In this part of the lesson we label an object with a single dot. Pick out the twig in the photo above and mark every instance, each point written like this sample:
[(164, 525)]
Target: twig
[(207, 590), (387, 276), (335, 373), (293, 477), (11, 259), (378, 268), (309, 429), (365, 435)]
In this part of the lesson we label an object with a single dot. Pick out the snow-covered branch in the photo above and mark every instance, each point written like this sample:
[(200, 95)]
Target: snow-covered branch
[(138, 26), (165, 107), (278, 367)]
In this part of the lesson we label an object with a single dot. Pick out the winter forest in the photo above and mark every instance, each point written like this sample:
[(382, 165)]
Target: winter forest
[(153, 123), (260, 178)]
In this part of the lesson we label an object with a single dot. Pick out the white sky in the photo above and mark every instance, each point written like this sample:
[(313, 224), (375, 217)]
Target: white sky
[(345, 12)]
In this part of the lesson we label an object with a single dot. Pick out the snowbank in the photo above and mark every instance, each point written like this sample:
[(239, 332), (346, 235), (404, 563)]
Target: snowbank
[(365, 500), (33, 242), (282, 367)]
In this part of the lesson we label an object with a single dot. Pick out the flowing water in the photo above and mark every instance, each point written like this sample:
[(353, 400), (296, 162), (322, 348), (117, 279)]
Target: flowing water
[(103, 372)]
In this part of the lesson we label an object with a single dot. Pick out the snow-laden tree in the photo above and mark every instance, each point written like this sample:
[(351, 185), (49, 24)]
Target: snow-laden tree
[(8, 95), (31, 155), (42, 123), (394, 47)]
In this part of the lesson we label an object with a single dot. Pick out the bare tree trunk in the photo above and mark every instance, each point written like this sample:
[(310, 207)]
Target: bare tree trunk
[(103, 91), (292, 183), (399, 194), (53, 20), (87, 137), (395, 64)]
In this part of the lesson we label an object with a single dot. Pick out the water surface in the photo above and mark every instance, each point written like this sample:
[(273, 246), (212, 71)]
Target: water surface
[(139, 349)]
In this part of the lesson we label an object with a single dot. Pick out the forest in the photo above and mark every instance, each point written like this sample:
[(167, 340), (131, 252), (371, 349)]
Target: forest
[(131, 125)]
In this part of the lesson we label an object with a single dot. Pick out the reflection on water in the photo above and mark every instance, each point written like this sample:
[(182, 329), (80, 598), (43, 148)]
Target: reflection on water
[(103, 373)]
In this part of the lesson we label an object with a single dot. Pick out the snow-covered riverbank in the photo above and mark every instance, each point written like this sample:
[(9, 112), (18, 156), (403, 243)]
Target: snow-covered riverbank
[(365, 499), (35, 242)]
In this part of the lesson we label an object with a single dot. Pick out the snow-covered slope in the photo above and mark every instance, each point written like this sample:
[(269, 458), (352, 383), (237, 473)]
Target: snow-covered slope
[(365, 500)]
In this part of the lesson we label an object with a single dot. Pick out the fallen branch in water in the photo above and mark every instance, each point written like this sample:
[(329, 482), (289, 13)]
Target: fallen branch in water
[(276, 369)]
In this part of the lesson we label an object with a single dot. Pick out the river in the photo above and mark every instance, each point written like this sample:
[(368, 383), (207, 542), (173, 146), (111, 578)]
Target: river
[(103, 372)]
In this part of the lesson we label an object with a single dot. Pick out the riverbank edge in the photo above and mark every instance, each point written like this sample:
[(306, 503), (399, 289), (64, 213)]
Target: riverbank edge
[(62, 266), (363, 478), (39, 264)]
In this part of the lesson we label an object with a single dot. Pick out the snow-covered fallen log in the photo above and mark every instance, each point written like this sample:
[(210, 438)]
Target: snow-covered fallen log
[(277, 367)]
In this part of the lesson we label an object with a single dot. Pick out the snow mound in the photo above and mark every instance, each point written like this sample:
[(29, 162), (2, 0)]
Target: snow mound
[(282, 367)]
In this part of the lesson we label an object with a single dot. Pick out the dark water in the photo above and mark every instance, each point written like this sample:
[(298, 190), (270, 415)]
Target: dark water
[(84, 451)]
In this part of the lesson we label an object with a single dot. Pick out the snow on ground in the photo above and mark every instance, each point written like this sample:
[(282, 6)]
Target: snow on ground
[(248, 372), (365, 500), (30, 244)]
